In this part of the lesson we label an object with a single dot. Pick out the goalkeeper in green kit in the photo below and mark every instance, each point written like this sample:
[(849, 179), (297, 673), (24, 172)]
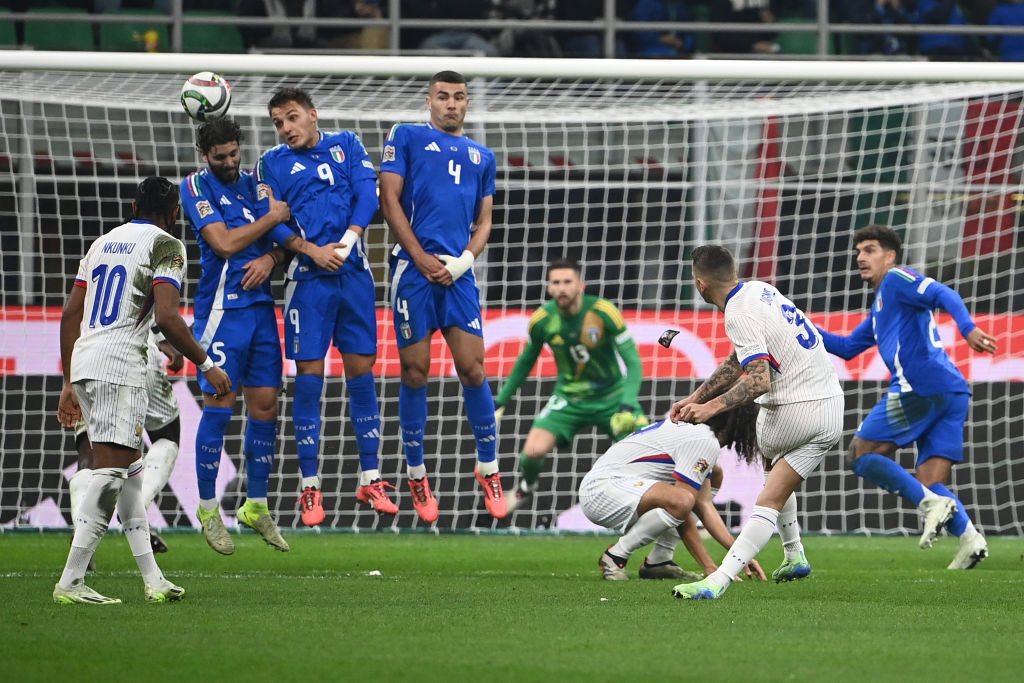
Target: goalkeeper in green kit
[(586, 335)]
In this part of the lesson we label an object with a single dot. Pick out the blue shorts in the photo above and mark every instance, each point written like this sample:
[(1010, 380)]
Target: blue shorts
[(420, 307), (339, 308), (244, 343), (936, 423)]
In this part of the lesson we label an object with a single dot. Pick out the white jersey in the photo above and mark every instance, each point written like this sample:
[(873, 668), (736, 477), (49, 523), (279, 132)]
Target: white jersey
[(156, 356), (118, 274), (762, 323), (663, 452)]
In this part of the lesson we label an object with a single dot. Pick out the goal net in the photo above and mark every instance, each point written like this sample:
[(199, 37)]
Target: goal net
[(624, 166)]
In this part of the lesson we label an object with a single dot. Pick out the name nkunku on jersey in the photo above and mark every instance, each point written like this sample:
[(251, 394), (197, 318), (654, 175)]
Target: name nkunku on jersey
[(205, 200), (586, 348), (446, 178), (317, 183), (762, 323), (118, 274), (901, 324)]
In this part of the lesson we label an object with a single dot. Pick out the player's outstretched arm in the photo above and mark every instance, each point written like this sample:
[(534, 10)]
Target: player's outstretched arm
[(68, 410), (756, 382), (937, 294), (861, 339), (715, 526), (166, 300), (228, 242), (982, 341)]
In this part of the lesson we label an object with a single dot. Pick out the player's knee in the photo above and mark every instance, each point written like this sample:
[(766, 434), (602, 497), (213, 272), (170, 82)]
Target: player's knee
[(414, 376), (471, 374)]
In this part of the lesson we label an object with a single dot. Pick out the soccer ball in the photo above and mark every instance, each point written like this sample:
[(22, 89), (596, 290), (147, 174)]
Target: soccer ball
[(205, 96)]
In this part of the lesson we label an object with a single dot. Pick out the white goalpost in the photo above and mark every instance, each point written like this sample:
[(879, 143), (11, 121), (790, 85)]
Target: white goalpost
[(625, 165)]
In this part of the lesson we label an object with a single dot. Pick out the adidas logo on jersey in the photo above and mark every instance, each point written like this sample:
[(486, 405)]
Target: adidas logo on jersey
[(297, 167), (308, 441), (475, 323), (432, 147), (224, 201)]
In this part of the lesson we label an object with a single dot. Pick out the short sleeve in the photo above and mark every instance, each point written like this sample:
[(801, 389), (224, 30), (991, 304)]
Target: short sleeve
[(747, 337), (82, 278), (198, 208), (489, 176), (393, 156), (360, 166), (168, 260)]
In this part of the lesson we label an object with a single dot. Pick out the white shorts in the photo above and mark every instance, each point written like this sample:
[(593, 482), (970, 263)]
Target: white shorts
[(610, 500), (163, 406), (113, 413), (800, 433)]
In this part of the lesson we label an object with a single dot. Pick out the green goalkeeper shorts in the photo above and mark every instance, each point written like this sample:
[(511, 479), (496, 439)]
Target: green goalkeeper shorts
[(565, 417)]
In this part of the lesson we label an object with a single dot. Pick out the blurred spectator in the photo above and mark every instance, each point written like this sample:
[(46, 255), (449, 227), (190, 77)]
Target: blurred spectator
[(888, 12), (524, 43), (660, 44), (365, 38), (279, 36), (586, 43), (448, 39), (1009, 48), (747, 12), (942, 45)]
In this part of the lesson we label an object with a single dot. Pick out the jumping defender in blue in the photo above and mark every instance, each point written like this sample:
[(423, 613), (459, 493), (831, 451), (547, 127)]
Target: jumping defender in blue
[(330, 184), (437, 192), (928, 397), (235, 324)]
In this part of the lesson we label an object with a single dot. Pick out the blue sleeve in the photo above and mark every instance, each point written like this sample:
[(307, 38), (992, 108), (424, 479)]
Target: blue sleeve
[(366, 202), (264, 173), (861, 339), (359, 165), (198, 209), (393, 157), (280, 233), (489, 177), (938, 295)]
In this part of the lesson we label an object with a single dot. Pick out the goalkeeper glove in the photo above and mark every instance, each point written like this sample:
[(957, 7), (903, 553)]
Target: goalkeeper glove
[(348, 241), (499, 412), (625, 422), (458, 265)]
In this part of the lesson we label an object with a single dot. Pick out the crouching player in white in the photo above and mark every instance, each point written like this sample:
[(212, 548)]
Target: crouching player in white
[(128, 276), (648, 484), (163, 425), (790, 375)]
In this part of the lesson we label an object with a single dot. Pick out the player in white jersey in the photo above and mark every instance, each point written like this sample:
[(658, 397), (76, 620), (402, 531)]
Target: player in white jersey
[(163, 426), (790, 375), (648, 484), (129, 276)]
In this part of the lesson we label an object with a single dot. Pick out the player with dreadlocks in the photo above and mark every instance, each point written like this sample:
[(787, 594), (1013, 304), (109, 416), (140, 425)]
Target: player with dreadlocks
[(648, 484)]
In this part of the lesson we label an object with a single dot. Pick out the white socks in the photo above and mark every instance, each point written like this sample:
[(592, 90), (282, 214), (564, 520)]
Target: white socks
[(650, 526), (368, 476), (416, 471), (789, 529), (311, 482), (755, 535), (91, 519), (486, 469), (77, 485), (131, 509), (664, 548), (159, 465)]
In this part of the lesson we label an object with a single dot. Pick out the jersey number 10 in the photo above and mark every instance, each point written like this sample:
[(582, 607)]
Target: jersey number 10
[(109, 289)]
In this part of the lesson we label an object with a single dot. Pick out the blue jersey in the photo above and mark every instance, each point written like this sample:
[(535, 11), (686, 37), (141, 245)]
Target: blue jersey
[(321, 186), (205, 200), (902, 326), (446, 179)]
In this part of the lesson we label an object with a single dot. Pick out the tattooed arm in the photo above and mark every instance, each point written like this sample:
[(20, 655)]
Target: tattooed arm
[(756, 383), (724, 375)]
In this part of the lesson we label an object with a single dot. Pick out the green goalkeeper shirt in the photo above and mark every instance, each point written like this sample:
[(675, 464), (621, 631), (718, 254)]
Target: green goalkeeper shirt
[(586, 347)]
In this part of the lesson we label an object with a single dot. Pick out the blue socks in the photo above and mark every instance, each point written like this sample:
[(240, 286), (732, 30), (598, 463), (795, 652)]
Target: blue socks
[(260, 444), (957, 524), (306, 419), (887, 473), (412, 416), (364, 413), (479, 404), (209, 444)]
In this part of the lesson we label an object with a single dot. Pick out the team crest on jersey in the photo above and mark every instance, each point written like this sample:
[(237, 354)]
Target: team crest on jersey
[(337, 153), (767, 295), (474, 155), (389, 153), (405, 330), (262, 191), (592, 334), (638, 484), (204, 209), (178, 261), (701, 467)]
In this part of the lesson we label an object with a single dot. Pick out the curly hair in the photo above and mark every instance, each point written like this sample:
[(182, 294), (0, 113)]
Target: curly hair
[(738, 429), (217, 132), (155, 197)]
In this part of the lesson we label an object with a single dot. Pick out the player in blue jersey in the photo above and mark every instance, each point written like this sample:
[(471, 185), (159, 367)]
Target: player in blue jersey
[(330, 184), (235, 324), (928, 397), (437, 191)]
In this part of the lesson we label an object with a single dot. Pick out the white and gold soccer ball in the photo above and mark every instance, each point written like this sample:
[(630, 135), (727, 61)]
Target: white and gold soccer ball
[(205, 96)]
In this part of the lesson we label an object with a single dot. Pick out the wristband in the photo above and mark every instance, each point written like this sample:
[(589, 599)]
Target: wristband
[(347, 240), (205, 365)]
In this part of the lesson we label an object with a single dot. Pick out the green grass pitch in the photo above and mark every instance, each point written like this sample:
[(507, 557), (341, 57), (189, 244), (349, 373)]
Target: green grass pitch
[(506, 608)]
